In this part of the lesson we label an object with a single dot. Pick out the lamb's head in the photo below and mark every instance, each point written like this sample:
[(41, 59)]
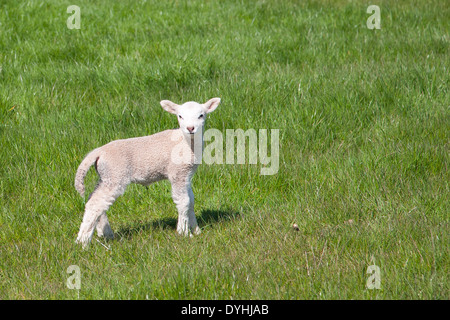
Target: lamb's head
[(191, 115)]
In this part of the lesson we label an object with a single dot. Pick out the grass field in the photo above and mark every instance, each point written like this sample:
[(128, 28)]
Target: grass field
[(364, 148)]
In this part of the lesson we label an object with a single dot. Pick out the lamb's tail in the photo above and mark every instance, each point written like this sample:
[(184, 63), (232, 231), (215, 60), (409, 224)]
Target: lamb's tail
[(90, 159)]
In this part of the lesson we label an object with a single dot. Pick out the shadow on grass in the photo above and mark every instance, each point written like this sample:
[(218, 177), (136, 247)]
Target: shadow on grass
[(206, 217)]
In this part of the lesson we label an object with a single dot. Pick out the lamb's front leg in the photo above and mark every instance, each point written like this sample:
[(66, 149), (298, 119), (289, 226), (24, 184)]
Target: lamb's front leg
[(191, 214), (184, 199)]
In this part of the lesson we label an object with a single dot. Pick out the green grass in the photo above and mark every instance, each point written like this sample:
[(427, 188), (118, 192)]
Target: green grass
[(363, 118)]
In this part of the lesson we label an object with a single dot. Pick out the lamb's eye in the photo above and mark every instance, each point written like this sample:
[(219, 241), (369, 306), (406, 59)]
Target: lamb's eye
[(200, 116), (179, 116)]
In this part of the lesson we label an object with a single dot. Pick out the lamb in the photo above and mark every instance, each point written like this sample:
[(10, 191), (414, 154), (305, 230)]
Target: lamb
[(170, 154)]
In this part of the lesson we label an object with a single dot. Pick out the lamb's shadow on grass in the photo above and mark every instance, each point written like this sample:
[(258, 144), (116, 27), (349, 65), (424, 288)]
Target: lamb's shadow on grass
[(212, 216), (206, 217)]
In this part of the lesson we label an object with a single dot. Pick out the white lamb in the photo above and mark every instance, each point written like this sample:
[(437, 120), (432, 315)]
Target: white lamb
[(145, 160)]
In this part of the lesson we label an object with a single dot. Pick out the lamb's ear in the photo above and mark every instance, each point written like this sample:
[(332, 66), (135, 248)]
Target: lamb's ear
[(211, 105), (169, 106)]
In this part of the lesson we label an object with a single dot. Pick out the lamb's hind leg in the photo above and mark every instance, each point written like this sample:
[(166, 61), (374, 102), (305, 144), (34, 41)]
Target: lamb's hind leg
[(101, 199), (103, 227)]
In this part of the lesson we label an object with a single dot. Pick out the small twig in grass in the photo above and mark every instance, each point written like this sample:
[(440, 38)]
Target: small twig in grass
[(105, 246), (307, 266)]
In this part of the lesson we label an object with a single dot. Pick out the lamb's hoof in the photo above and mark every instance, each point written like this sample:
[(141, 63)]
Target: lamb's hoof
[(197, 231), (84, 241), (187, 231), (183, 232)]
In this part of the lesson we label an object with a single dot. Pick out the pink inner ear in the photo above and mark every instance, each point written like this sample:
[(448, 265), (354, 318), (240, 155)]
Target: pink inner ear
[(169, 106), (212, 104)]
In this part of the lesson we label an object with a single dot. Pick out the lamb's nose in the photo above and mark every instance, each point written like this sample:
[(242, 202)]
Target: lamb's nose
[(190, 129)]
